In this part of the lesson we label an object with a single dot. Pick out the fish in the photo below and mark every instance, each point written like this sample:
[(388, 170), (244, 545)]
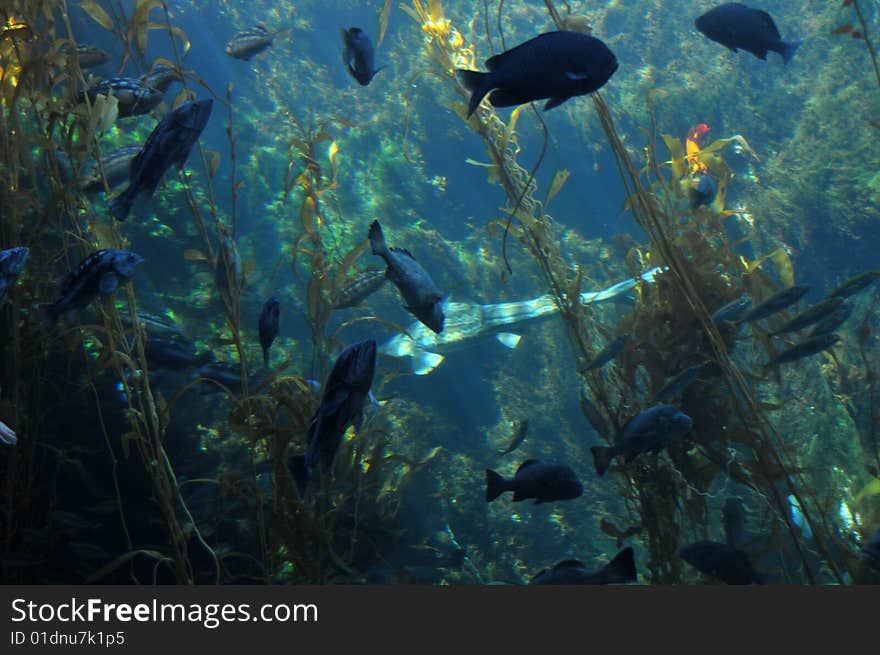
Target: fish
[(268, 325), (358, 288), (342, 402), (809, 316), (226, 373), (520, 430), (870, 553), (161, 77), (809, 346), (251, 41), (155, 325), (855, 284), (721, 561), (833, 320), (169, 143), (87, 56), (735, 26), (99, 274), (775, 303), (358, 55), (469, 323), (116, 166), (651, 430), (732, 311), (620, 570), (543, 481), (555, 65), (12, 262), (733, 518), (703, 192), (7, 435), (798, 518), (423, 298), (684, 379), (609, 352), (175, 354), (134, 97)]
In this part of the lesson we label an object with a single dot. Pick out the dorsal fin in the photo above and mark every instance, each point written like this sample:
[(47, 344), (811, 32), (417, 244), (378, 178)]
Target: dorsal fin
[(403, 251), (527, 463), (767, 19)]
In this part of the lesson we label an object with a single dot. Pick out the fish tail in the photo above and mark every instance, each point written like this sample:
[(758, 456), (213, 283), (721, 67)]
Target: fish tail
[(120, 206), (300, 471), (621, 569), (495, 485), (477, 83), (788, 50), (377, 239), (601, 458)]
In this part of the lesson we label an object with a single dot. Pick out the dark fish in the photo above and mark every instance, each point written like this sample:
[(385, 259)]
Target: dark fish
[(733, 310), (810, 316), (543, 481), (169, 143), (423, 299), (176, 354), (704, 192), (161, 77), (269, 319), (833, 321), (556, 65), (721, 561), (805, 348), (116, 166), (776, 303), (651, 430), (87, 56), (11, 265), (251, 41), (734, 519), (856, 284), (521, 429), (684, 379), (358, 55), (99, 274), (358, 288), (734, 26), (345, 392), (134, 96), (870, 554), (609, 352), (620, 570)]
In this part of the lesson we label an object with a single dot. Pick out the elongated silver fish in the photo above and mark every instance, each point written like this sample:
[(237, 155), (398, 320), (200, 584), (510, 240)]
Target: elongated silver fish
[(810, 316), (776, 303), (805, 348), (116, 166)]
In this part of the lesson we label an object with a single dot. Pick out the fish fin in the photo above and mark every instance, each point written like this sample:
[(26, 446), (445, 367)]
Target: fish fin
[(526, 463), (788, 50), (403, 251), (508, 339), (425, 362), (377, 239), (108, 283), (622, 568), (120, 206), (506, 98), (555, 102), (375, 403), (767, 19), (477, 83), (761, 54), (495, 485), (601, 458)]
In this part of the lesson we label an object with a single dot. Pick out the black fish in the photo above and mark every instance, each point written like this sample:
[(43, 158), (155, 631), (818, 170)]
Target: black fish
[(176, 354), (734, 519), (543, 481), (809, 316), (345, 392), (856, 284), (358, 55), (269, 319), (423, 299), (99, 274), (358, 288), (703, 192), (609, 352), (555, 65), (251, 41), (134, 96), (11, 264), (116, 166), (833, 321), (721, 561), (620, 570), (805, 348), (776, 303), (734, 26), (169, 143), (733, 310), (870, 554), (651, 430), (521, 429)]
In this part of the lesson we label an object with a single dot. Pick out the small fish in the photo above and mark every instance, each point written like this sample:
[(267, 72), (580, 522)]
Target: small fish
[(176, 354), (870, 554), (721, 561), (342, 404), (733, 518), (798, 518), (543, 481), (809, 316), (358, 55), (161, 77), (556, 65), (86, 55), (609, 352), (732, 311), (423, 299), (776, 303), (7, 435), (12, 262), (99, 274), (805, 348), (358, 288), (520, 430), (834, 320), (135, 98), (268, 325), (734, 26), (116, 166), (620, 570), (169, 143), (251, 41), (856, 284), (684, 379), (651, 430), (703, 192)]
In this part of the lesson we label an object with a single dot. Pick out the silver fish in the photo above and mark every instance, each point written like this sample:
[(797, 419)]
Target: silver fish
[(116, 166), (251, 41)]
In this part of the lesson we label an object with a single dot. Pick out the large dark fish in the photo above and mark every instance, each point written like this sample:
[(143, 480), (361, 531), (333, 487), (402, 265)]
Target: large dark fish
[(732, 311), (169, 143), (620, 570), (358, 55), (345, 392), (734, 26), (809, 346), (734, 520), (833, 321), (609, 352), (116, 166), (358, 288), (856, 284), (520, 430), (651, 430), (251, 41), (870, 554), (134, 96), (776, 303), (11, 265), (175, 354), (543, 481), (268, 325), (99, 274), (703, 192), (161, 77), (423, 298), (809, 316), (721, 561), (556, 65)]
